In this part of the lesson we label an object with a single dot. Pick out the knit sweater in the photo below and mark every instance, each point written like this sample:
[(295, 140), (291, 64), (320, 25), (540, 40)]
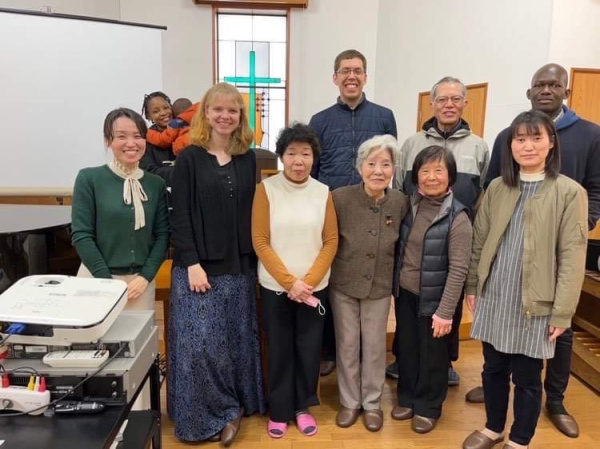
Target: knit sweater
[(103, 225), (198, 217), (294, 233)]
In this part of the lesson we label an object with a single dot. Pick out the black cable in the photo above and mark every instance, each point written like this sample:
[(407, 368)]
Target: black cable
[(25, 369), (71, 390)]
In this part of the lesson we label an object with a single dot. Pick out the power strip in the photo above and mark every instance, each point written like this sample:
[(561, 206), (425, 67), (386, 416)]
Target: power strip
[(21, 399)]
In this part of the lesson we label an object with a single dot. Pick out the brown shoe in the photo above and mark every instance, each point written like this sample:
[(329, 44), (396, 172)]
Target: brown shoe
[(478, 440), (347, 416), (230, 430), (373, 419), (475, 396), (326, 368), (215, 438), (422, 424), (566, 424), (402, 413)]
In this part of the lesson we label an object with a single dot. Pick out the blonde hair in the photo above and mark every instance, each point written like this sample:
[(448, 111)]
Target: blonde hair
[(200, 130)]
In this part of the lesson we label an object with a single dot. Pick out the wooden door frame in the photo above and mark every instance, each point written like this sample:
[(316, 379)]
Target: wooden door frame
[(574, 71)]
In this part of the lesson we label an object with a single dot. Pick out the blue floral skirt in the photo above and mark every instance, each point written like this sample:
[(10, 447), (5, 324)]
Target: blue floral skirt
[(214, 357)]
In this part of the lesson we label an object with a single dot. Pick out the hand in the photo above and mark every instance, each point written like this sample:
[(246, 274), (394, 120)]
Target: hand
[(440, 329), (136, 287), (470, 302), (300, 291), (555, 332), (198, 279)]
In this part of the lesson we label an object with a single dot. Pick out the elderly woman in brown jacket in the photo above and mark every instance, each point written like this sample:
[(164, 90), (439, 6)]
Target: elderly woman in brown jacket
[(369, 216)]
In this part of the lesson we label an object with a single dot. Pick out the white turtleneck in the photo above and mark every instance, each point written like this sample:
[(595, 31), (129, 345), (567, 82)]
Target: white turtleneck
[(532, 177)]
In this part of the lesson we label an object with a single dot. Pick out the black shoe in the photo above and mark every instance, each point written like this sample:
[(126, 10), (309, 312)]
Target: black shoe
[(391, 370), (326, 368)]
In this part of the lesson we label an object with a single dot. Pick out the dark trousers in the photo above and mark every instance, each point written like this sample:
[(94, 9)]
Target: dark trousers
[(294, 337), (558, 370), (453, 337), (423, 367), (328, 344), (527, 377)]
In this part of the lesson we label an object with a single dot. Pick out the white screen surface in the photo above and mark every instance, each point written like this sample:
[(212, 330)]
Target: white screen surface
[(58, 79)]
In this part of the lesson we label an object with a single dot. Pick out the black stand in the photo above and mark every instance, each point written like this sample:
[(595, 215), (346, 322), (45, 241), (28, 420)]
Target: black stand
[(90, 431)]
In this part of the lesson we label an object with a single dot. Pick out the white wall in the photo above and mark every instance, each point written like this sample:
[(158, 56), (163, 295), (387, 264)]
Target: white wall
[(499, 43), (187, 43), (318, 34), (409, 45), (107, 9), (575, 38)]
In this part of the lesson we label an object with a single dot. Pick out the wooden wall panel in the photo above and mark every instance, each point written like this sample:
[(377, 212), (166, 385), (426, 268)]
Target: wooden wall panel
[(47, 200), (585, 93)]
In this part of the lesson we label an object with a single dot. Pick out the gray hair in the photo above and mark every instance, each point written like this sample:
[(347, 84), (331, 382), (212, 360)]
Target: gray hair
[(383, 142), (448, 79)]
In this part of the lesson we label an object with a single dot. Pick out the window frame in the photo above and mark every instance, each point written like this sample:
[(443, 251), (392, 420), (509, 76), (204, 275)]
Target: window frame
[(281, 11)]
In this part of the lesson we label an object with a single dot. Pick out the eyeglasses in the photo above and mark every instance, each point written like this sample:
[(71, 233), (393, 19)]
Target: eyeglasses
[(346, 72), (457, 99)]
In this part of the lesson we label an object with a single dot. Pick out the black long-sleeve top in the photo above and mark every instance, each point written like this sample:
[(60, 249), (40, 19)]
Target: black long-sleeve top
[(201, 215)]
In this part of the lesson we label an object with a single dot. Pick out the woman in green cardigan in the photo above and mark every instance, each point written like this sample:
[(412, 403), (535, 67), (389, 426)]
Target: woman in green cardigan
[(120, 222)]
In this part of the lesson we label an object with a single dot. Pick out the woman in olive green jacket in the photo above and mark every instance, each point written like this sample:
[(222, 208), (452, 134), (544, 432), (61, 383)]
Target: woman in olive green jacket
[(527, 268)]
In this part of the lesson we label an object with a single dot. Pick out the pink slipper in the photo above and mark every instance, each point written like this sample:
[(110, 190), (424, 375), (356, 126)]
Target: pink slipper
[(276, 429), (307, 425)]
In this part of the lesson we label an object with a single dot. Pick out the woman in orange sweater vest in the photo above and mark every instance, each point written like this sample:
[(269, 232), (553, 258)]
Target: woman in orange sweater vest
[(294, 233)]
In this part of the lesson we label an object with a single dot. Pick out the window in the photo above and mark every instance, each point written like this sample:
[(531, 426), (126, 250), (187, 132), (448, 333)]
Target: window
[(252, 52)]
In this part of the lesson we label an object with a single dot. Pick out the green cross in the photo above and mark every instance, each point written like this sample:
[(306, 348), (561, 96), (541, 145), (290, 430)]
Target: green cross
[(252, 80)]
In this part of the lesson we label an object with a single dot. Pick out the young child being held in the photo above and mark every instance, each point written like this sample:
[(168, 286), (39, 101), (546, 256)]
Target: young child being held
[(167, 132)]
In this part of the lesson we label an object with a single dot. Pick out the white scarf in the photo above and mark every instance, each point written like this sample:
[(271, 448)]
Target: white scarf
[(132, 190)]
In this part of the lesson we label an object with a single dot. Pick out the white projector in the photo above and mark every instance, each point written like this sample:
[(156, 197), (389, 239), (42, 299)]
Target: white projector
[(60, 310)]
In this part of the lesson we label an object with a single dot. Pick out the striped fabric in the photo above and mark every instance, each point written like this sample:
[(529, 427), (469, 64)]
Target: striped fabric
[(499, 316)]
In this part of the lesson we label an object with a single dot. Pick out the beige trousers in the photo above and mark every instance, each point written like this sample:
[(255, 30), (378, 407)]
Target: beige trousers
[(360, 326), (144, 302)]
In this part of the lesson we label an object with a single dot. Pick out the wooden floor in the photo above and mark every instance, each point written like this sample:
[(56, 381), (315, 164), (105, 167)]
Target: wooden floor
[(458, 420)]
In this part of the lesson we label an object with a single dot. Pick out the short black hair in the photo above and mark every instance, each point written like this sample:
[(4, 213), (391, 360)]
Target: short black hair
[(149, 97), (532, 121), (297, 132), (115, 114), (180, 105), (434, 153)]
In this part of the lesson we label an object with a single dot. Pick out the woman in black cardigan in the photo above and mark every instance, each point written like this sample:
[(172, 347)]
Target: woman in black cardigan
[(214, 371)]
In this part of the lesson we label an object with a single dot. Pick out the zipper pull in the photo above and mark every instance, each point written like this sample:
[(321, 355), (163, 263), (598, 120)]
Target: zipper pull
[(528, 319)]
